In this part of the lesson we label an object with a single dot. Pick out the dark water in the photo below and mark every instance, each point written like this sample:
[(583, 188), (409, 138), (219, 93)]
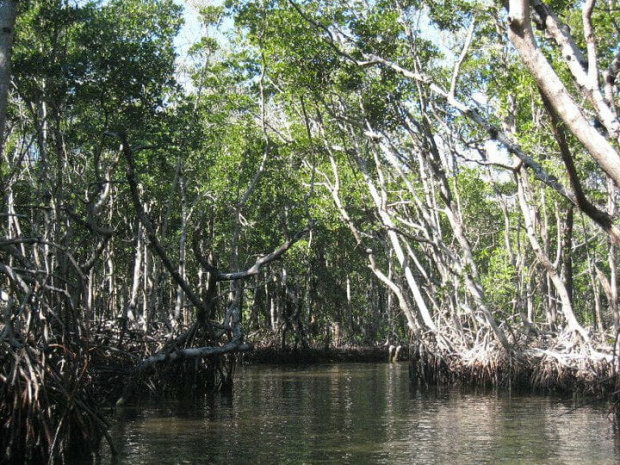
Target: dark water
[(357, 414)]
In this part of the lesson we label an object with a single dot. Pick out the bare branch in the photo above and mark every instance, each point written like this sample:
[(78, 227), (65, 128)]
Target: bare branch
[(522, 37), (262, 261), (584, 71), (457, 67), (588, 32)]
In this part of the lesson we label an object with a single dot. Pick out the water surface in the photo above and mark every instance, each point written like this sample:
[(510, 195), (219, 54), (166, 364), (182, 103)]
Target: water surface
[(357, 414)]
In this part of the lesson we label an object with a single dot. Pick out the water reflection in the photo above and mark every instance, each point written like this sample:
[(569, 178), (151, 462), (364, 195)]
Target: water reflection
[(360, 413)]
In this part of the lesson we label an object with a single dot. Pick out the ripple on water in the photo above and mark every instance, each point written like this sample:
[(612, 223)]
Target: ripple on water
[(360, 413)]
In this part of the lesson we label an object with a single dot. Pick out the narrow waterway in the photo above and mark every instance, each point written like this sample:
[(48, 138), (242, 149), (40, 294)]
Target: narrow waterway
[(357, 414)]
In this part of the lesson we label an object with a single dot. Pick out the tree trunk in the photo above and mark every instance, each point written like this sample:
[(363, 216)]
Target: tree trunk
[(543, 258), (8, 15), (521, 35), (567, 249), (132, 301)]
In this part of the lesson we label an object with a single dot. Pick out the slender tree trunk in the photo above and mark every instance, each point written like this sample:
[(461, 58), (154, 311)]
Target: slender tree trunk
[(403, 302), (558, 284), (8, 15), (595, 285), (613, 274), (132, 301), (379, 198), (180, 296), (567, 250)]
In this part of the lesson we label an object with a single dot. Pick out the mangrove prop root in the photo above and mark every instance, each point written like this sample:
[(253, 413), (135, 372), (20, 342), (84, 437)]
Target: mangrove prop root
[(563, 363), (46, 406)]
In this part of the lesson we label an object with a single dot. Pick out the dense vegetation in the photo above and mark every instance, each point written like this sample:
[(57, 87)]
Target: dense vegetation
[(311, 174)]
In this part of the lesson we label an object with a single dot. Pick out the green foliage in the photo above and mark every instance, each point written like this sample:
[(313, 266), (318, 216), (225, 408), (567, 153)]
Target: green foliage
[(499, 279), (265, 113), (111, 66)]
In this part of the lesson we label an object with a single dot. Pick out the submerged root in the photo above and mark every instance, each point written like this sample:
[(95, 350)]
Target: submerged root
[(173, 368), (189, 377), (558, 363), (46, 406)]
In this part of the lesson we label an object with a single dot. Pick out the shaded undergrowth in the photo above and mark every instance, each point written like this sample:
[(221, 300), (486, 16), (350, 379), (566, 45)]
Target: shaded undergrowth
[(48, 405)]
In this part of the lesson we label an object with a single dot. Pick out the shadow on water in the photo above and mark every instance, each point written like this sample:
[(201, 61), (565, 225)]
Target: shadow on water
[(360, 413)]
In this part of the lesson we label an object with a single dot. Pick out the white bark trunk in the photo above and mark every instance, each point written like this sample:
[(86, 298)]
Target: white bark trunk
[(543, 258), (521, 35)]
